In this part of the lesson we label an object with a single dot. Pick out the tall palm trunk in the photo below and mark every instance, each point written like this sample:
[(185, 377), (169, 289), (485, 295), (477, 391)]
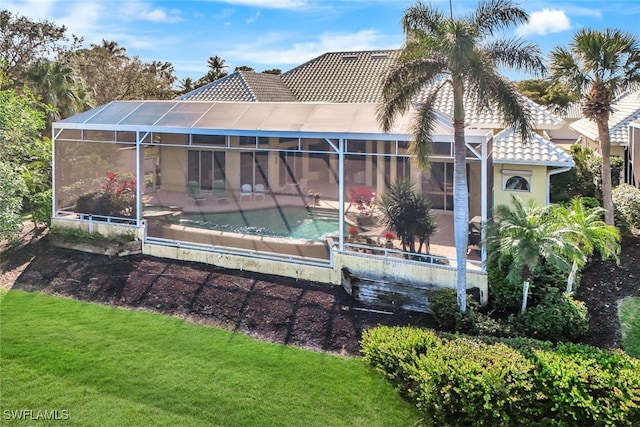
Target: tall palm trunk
[(605, 150), (460, 195)]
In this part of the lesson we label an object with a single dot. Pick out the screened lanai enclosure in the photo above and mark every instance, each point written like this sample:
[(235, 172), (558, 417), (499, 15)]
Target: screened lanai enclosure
[(294, 182)]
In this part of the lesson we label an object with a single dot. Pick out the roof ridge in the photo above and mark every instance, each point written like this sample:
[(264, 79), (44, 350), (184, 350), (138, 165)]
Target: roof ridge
[(246, 84)]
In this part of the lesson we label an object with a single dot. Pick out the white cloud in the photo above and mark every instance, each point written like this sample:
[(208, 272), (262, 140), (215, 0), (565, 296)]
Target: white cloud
[(544, 22), (254, 18), (263, 51), (134, 10)]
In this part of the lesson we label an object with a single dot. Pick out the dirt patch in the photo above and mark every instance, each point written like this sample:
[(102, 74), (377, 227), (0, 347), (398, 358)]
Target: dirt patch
[(272, 308)]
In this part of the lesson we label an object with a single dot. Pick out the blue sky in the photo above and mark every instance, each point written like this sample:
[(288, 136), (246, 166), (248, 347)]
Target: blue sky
[(266, 34)]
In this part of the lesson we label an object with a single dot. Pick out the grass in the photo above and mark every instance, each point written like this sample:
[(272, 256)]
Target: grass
[(109, 366), (630, 321)]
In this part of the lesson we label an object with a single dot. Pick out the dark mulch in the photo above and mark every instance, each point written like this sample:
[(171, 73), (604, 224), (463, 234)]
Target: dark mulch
[(306, 314), (272, 308)]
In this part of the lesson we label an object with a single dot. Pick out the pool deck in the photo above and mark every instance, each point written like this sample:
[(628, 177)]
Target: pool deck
[(442, 243)]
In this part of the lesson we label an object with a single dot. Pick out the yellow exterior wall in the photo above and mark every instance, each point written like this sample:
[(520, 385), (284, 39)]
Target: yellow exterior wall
[(173, 166), (537, 182)]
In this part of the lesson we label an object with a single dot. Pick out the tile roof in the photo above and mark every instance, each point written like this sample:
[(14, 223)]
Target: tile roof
[(626, 110), (341, 76), (508, 148), (489, 118), (243, 86), (354, 77)]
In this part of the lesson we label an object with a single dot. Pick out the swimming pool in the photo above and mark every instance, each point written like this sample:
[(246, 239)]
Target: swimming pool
[(295, 222)]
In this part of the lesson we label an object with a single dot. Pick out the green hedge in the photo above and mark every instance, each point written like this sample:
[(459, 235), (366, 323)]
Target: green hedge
[(457, 380)]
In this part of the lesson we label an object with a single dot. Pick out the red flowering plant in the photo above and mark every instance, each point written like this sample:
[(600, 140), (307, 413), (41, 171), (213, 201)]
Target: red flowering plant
[(116, 197), (353, 230), (389, 235), (362, 197)]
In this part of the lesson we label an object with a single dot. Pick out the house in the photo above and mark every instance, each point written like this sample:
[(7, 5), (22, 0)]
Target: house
[(274, 159), (626, 111)]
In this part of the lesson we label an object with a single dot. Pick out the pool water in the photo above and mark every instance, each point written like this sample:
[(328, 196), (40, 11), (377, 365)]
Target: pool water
[(295, 222)]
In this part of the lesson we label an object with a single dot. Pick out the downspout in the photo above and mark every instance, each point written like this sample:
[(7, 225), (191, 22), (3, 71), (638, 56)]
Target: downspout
[(553, 172)]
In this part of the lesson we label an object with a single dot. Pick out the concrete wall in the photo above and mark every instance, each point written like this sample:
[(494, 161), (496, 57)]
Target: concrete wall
[(105, 228), (329, 270)]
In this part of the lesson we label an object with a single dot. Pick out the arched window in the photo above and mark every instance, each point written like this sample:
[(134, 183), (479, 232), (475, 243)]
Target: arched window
[(517, 183)]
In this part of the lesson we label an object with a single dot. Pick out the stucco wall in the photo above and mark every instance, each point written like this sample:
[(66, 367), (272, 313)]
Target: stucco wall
[(536, 175), (173, 164)]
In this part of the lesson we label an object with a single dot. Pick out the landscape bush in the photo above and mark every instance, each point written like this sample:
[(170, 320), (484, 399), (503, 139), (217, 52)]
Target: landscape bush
[(626, 201), (559, 317), (457, 380), (443, 304)]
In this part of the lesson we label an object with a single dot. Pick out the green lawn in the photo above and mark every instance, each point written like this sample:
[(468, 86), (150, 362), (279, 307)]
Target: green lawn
[(630, 321), (108, 366)]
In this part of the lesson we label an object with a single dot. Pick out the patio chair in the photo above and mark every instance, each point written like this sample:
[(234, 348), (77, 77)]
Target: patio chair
[(220, 192), (246, 191), (194, 194), (259, 192)]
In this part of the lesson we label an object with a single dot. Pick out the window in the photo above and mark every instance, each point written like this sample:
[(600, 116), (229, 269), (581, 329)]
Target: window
[(517, 183)]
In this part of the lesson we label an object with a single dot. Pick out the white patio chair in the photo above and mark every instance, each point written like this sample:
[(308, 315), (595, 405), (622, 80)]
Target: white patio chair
[(259, 192), (246, 192)]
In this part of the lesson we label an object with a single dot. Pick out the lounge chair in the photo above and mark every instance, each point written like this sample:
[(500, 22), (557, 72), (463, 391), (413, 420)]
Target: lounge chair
[(259, 192), (246, 191), (194, 194), (220, 191)]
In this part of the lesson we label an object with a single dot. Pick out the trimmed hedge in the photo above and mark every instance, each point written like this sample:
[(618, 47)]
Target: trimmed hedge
[(457, 380)]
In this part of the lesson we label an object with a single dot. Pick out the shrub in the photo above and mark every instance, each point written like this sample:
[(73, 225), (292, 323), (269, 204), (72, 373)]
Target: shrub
[(557, 318), (626, 201), (444, 307), (455, 380), (502, 293), (443, 303), (584, 385), (41, 208)]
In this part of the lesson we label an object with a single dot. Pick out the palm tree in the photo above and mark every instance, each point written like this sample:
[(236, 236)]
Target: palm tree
[(463, 55), (596, 66), (527, 236), (589, 232), (56, 86), (408, 213)]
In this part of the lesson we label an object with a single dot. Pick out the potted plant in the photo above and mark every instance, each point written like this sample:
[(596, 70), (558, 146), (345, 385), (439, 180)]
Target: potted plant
[(353, 232), (389, 236), (362, 198)]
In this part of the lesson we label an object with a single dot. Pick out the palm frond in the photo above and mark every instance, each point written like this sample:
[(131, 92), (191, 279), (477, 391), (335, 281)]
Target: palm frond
[(494, 15), (518, 55)]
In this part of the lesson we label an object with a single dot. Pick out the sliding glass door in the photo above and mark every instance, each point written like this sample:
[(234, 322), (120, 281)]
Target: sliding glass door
[(205, 167)]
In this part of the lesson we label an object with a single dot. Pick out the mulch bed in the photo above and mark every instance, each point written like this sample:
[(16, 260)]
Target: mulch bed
[(269, 307)]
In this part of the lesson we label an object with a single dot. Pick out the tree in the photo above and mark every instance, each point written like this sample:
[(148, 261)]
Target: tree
[(276, 71), (243, 68), (22, 150), (589, 232), (526, 236), (186, 85), (56, 86), (408, 213), (464, 55), (596, 65), (23, 42), (111, 75), (543, 92), (216, 71)]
